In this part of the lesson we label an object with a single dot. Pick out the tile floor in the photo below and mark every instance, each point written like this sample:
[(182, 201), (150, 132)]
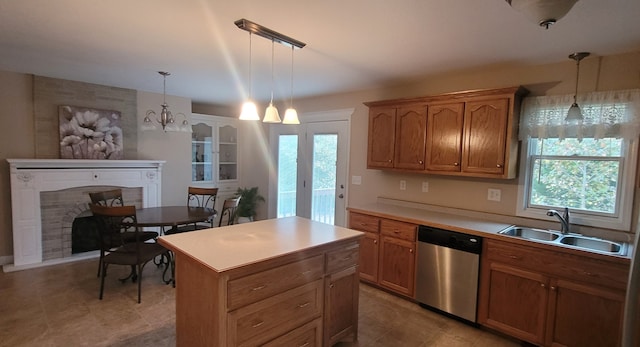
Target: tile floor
[(58, 306)]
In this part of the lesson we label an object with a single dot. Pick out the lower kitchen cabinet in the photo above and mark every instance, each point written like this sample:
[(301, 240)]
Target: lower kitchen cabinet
[(341, 306), (549, 298), (387, 252), (397, 269)]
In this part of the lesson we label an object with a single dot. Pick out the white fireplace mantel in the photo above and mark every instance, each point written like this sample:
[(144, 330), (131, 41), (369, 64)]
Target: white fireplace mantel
[(30, 177)]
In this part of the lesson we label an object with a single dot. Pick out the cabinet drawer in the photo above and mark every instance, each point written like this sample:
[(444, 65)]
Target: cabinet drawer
[(267, 319), (559, 264), (401, 230), (308, 335), (343, 258), (364, 222), (252, 288)]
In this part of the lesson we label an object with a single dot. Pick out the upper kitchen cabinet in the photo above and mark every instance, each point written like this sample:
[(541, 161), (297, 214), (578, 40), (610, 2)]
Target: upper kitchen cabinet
[(397, 137), (214, 152), (472, 133)]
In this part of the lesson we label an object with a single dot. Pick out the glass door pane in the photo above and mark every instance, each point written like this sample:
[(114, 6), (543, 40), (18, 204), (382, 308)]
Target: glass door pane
[(201, 153), (287, 175), (323, 193)]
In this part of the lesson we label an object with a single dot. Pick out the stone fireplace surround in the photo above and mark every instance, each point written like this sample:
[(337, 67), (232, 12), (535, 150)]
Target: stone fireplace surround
[(68, 181)]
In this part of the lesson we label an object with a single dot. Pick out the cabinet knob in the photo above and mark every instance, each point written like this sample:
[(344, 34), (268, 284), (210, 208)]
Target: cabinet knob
[(499, 166), (332, 285), (543, 285), (410, 250), (456, 164), (553, 288), (420, 162), (375, 242), (390, 160)]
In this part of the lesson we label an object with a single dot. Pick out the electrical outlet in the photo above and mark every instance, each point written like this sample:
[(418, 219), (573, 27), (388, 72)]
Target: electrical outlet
[(494, 194), (403, 185), (425, 187), (356, 180)]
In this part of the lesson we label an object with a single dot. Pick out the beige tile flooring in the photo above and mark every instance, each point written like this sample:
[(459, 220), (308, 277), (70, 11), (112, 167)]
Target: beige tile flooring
[(58, 306)]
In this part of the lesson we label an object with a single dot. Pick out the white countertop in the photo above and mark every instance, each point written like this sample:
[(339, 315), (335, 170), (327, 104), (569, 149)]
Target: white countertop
[(233, 246)]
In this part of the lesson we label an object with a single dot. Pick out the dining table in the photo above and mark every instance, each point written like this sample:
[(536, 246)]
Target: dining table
[(172, 217)]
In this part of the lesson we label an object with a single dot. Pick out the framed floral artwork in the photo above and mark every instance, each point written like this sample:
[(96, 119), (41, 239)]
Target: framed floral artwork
[(87, 133)]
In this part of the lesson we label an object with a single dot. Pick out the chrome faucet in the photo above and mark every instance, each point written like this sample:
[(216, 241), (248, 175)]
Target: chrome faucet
[(565, 219)]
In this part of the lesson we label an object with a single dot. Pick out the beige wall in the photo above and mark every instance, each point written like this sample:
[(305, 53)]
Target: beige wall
[(596, 74), (17, 140)]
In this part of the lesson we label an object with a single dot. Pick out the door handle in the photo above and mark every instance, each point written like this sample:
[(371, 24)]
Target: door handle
[(341, 196)]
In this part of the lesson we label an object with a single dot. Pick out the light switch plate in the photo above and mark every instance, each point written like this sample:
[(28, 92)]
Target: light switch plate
[(356, 180), (494, 194), (425, 187), (403, 185)]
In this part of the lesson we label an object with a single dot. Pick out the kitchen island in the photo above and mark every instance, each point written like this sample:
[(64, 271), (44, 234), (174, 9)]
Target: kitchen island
[(287, 281)]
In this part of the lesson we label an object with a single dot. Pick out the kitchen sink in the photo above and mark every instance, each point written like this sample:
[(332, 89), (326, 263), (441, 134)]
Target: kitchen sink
[(531, 233), (594, 244), (570, 240)]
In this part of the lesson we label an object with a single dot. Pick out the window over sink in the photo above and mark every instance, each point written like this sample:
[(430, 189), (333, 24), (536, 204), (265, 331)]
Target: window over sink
[(589, 166)]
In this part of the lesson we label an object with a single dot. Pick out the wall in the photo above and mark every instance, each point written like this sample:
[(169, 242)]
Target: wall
[(17, 140), (596, 74), (174, 147)]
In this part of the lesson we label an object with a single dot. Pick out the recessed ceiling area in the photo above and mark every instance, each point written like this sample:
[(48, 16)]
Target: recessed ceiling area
[(351, 45)]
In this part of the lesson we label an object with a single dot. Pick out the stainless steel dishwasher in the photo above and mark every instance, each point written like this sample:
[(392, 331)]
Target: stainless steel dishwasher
[(447, 271)]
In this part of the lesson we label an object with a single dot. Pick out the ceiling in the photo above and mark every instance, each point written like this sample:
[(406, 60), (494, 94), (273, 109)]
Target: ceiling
[(351, 44)]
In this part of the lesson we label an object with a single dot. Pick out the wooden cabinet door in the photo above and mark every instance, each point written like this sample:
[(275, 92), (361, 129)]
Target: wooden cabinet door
[(411, 133), (514, 302), (382, 137), (485, 132), (397, 265), (368, 262), (584, 315), (444, 137), (341, 305)]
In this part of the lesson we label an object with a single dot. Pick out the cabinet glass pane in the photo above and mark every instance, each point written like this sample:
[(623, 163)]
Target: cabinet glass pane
[(201, 152), (227, 140)]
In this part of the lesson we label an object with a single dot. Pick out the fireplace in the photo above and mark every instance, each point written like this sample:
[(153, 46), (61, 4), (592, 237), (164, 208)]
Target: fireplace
[(61, 209), (48, 194)]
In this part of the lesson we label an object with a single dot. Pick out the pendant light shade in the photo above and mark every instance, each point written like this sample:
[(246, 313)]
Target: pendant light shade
[(291, 115), (574, 115), (249, 109), (271, 113), (543, 12)]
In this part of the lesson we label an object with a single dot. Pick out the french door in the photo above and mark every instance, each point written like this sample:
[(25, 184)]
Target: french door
[(311, 171)]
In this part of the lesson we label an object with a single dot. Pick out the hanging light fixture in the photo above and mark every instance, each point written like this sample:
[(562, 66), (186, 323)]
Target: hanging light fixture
[(249, 109), (271, 113), (291, 115), (167, 121), (575, 114), (543, 12)]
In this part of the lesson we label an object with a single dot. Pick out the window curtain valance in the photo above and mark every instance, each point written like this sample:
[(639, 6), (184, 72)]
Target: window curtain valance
[(606, 114)]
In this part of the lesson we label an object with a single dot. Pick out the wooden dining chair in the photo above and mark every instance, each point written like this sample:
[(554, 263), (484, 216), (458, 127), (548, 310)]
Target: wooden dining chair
[(114, 222), (199, 197), (229, 209), (113, 198)]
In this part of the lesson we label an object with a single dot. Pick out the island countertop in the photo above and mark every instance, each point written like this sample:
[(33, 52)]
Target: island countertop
[(226, 248)]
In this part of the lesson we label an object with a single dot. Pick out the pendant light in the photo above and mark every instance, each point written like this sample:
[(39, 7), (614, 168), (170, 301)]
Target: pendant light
[(291, 115), (249, 110), (271, 113), (543, 12), (574, 114)]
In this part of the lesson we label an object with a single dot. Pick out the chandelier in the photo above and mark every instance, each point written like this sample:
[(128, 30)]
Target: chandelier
[(167, 120)]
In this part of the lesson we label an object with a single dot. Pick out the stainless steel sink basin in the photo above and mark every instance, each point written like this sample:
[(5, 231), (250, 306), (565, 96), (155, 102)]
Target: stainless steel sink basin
[(576, 241), (593, 244), (531, 233)]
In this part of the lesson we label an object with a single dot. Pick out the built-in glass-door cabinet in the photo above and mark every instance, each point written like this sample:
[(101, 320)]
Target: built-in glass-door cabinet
[(214, 152)]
